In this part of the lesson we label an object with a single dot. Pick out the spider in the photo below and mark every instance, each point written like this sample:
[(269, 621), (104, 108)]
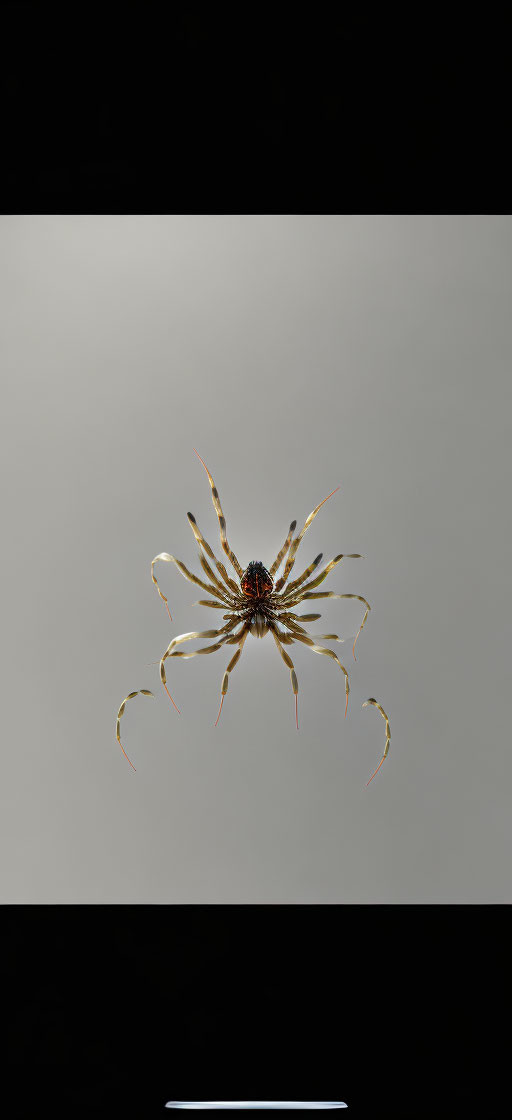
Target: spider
[(257, 604)]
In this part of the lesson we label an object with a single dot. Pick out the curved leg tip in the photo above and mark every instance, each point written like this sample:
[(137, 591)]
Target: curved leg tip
[(220, 709)]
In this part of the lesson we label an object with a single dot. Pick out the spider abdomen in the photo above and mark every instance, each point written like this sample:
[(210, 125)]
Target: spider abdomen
[(257, 583)]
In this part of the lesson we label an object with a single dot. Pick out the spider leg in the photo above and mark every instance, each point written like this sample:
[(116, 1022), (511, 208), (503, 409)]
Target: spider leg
[(296, 582), (188, 575), (240, 638), (222, 521), (193, 634), (293, 626), (372, 700), (140, 691), (198, 634), (289, 621), (221, 590), (333, 595), (209, 603), (272, 571), (328, 653), (291, 590), (279, 637), (303, 617), (209, 552), (188, 637), (295, 544)]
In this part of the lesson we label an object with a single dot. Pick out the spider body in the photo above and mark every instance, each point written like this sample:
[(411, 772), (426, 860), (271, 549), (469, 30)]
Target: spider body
[(257, 583), (257, 586), (257, 603)]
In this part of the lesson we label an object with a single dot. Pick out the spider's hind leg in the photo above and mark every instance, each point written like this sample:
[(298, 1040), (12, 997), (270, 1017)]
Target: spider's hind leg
[(139, 692), (328, 653), (279, 636), (170, 652)]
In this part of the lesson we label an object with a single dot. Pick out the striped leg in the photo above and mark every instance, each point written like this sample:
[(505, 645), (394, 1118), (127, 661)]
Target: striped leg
[(209, 603), (304, 617), (295, 544), (282, 553), (193, 634), (292, 591), (328, 653), (221, 590), (289, 620), (209, 552), (225, 680), (222, 521), (140, 692), (296, 629), (296, 582), (388, 733), (333, 595), (187, 637), (188, 575), (279, 637)]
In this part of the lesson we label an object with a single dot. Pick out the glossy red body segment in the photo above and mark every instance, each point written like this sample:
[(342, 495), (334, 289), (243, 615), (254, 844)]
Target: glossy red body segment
[(256, 581)]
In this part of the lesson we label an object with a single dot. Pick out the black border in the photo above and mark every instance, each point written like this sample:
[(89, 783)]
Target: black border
[(399, 1010), (120, 109), (113, 1010)]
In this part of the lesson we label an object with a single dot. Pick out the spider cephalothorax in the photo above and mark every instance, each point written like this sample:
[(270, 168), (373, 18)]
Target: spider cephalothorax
[(257, 585), (256, 604), (256, 582)]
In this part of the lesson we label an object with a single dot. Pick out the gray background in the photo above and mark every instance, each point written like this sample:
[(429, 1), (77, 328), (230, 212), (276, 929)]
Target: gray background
[(297, 354)]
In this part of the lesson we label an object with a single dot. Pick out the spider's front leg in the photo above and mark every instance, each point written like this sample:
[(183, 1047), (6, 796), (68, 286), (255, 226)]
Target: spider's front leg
[(209, 552), (295, 543), (212, 590), (222, 521), (282, 552)]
